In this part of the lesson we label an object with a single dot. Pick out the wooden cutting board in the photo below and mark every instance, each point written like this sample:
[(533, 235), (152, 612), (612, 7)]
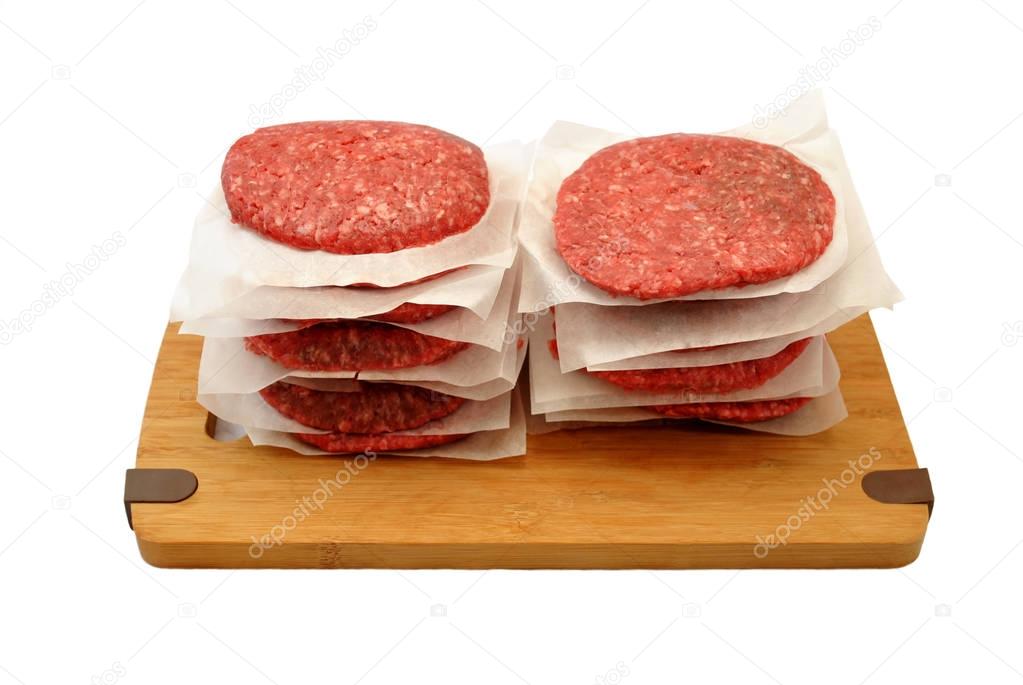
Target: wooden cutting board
[(684, 496)]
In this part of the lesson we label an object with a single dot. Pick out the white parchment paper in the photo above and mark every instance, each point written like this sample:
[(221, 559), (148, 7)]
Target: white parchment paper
[(734, 352), (227, 261), (251, 410), (726, 354), (803, 131), (458, 324), (812, 374), (227, 367), (483, 446), (816, 416), (472, 287)]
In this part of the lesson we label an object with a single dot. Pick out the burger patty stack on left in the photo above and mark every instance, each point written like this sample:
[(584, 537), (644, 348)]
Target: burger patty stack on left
[(351, 188)]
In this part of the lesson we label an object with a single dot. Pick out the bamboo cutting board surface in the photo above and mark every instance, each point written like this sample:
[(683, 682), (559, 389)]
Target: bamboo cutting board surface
[(684, 496)]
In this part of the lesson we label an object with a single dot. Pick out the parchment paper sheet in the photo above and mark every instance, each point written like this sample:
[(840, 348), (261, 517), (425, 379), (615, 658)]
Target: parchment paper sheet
[(803, 131), (484, 446), (227, 367), (736, 352), (818, 415), (458, 324), (227, 261), (473, 287), (812, 374), (250, 410)]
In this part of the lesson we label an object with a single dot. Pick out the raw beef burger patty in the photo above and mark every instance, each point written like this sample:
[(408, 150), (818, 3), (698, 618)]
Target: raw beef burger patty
[(738, 412), (352, 442), (374, 408), (355, 187), (347, 345), (717, 378), (673, 215)]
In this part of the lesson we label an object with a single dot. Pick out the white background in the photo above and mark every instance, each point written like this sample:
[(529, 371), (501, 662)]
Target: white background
[(114, 117)]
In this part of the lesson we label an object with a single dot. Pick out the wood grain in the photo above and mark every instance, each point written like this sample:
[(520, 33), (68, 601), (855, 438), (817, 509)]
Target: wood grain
[(686, 496)]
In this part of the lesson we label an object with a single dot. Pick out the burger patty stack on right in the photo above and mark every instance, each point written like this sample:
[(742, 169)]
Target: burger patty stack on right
[(689, 266), (675, 215)]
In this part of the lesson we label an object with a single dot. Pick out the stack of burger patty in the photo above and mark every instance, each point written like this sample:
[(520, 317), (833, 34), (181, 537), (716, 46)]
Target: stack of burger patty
[(415, 375), (656, 237), (682, 214)]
